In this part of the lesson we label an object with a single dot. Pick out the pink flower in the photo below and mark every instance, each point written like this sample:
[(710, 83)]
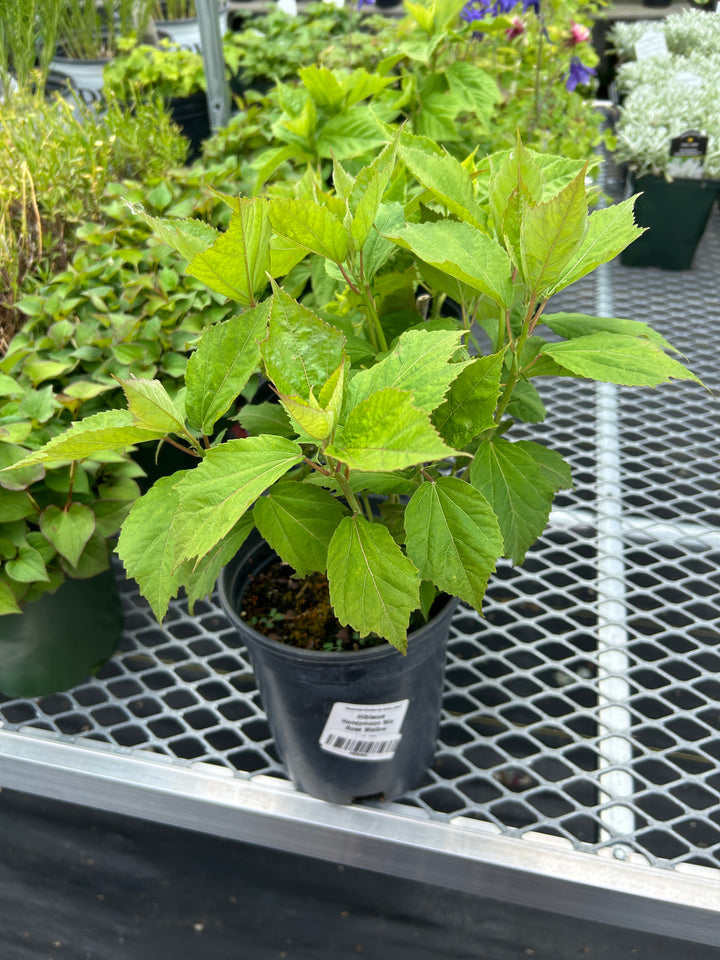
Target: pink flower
[(578, 34), (517, 29)]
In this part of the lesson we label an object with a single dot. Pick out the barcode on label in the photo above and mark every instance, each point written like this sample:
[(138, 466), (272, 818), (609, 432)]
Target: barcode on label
[(364, 731), (362, 748)]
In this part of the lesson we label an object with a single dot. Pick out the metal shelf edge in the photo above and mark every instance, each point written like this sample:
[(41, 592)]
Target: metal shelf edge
[(465, 855)]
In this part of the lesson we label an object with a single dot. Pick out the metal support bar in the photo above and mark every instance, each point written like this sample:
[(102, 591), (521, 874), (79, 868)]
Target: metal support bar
[(615, 745), (218, 96), (538, 871)]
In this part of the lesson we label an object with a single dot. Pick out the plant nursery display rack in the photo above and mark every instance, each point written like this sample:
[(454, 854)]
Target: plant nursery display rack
[(578, 769)]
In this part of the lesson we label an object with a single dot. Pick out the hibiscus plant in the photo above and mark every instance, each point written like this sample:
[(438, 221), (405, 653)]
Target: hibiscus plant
[(378, 396)]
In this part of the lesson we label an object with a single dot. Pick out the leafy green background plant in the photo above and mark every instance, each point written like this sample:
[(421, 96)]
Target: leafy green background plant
[(165, 70)]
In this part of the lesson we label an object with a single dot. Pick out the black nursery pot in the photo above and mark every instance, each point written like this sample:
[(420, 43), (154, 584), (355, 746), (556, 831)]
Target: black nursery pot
[(675, 214), (347, 725), (192, 116), (61, 637)]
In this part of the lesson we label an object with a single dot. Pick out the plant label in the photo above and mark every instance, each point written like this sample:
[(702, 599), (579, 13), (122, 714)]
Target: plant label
[(364, 731), (288, 6), (688, 80), (692, 143), (651, 44)]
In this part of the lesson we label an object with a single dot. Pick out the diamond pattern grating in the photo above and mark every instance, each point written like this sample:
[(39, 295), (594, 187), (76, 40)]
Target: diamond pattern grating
[(586, 702)]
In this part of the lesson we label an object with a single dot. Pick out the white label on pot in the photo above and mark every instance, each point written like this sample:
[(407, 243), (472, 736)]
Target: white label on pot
[(651, 44), (364, 731), (288, 6)]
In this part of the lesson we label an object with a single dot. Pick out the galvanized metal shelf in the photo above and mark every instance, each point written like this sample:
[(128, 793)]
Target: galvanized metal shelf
[(578, 762)]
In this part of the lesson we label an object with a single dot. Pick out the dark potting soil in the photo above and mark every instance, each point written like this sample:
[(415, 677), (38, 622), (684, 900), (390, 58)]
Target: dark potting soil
[(298, 612)]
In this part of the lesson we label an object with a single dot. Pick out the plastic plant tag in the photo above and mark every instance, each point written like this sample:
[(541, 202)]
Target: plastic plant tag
[(364, 731), (651, 44), (688, 80), (288, 6), (687, 152)]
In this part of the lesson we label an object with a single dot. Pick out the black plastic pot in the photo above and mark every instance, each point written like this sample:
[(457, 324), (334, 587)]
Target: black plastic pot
[(347, 725), (60, 638), (676, 214), (192, 116)]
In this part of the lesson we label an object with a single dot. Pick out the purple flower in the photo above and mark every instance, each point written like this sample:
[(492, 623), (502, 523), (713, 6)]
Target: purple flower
[(533, 5), (474, 10), (365, 3), (577, 74), (479, 9)]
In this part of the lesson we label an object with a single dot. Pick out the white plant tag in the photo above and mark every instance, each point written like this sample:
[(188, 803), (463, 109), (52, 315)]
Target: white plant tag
[(688, 80), (651, 44), (288, 6), (364, 731)]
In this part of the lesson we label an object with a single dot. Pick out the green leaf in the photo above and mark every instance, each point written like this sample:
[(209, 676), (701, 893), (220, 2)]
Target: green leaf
[(474, 87), (471, 402), (574, 325), (8, 600), (363, 482), (515, 486), (39, 370), (267, 418), (312, 421), (298, 521), (94, 559), (373, 586), (367, 193), (386, 432), (437, 117), (618, 358), (147, 544), (309, 225), (463, 252), (22, 477), (68, 530), (27, 567), (378, 249), (302, 352), (229, 480), (108, 430), (152, 407), (453, 537), (237, 263), (227, 355), (443, 175), (555, 469), (39, 405), (188, 237), (418, 363), (354, 132), (109, 515), (526, 404), (15, 505), (550, 233), (200, 580), (609, 230)]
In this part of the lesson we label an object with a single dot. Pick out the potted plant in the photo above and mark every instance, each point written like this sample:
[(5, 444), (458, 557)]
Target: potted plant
[(386, 465), (177, 21), (175, 74), (60, 613), (668, 134), (87, 37), (686, 32), (273, 47)]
